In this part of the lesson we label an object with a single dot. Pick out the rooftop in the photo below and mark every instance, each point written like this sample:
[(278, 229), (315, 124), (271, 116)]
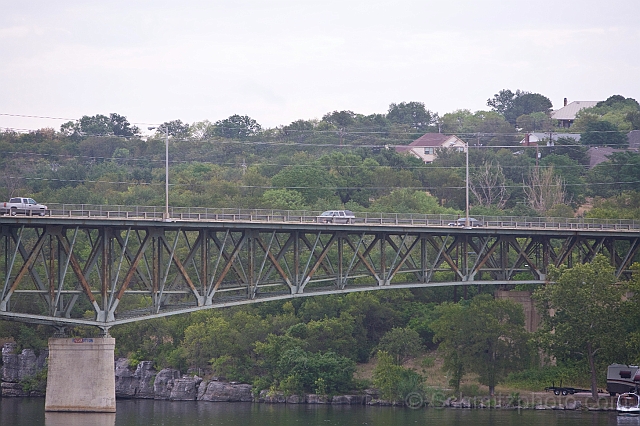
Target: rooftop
[(428, 139), (535, 137), (569, 112)]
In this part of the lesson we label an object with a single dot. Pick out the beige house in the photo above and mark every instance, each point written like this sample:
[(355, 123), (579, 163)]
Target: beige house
[(425, 147), (567, 114)]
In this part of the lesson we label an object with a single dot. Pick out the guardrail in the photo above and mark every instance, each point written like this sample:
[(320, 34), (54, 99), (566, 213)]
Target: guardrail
[(308, 217)]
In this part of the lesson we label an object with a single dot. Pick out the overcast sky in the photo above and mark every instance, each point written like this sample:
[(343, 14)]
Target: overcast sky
[(282, 60)]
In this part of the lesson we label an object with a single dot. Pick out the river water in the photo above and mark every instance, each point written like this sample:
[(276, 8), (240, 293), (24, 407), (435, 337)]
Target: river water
[(30, 412)]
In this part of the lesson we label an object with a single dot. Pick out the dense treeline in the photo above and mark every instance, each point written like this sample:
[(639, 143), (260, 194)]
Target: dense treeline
[(343, 160), (348, 160)]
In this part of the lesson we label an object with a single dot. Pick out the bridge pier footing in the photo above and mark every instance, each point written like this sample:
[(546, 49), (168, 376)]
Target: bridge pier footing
[(81, 375)]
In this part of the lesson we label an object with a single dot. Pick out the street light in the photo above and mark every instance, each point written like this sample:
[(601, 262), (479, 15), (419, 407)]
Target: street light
[(466, 222), (165, 215)]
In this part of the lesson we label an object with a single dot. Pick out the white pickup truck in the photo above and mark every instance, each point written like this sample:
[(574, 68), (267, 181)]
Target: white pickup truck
[(27, 206)]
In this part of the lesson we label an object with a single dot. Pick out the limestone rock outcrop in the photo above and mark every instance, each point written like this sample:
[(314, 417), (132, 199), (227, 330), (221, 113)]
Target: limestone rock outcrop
[(145, 382), (17, 368), (136, 383), (224, 392)]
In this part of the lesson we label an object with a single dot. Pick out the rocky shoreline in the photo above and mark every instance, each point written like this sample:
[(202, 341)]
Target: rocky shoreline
[(20, 372), (169, 384)]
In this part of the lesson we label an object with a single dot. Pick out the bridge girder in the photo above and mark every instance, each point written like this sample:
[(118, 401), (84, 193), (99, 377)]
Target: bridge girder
[(104, 273)]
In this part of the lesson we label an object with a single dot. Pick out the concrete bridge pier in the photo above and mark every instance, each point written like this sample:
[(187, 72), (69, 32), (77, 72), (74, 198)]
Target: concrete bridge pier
[(81, 375)]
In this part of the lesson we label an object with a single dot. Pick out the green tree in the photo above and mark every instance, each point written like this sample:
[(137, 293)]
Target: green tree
[(97, 125), (299, 130), (237, 127), (373, 121), (374, 315), (620, 173), (580, 309), (449, 334), (394, 381), (487, 338), (633, 117), (204, 341), (120, 126), (176, 129), (447, 185), (300, 371), (225, 341), (410, 201), (340, 119), (621, 112), (352, 175), (100, 125), (503, 100), (286, 199), (512, 105), (401, 343), (618, 101), (623, 206), (527, 104), (411, 114), (567, 147), (310, 181), (387, 179), (268, 352), (631, 313), (334, 334), (603, 133), (534, 122), (299, 126), (480, 127)]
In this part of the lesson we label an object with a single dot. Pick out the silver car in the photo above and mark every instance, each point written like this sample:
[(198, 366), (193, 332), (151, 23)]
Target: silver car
[(336, 216), (463, 221)]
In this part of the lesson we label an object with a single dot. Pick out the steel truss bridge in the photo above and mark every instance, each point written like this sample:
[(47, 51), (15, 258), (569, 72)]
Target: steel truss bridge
[(104, 270)]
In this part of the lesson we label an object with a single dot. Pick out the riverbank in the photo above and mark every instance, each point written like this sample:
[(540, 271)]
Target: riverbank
[(24, 375)]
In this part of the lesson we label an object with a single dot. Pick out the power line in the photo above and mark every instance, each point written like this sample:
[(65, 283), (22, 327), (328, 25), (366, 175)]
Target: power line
[(336, 188), (235, 164), (221, 140), (36, 116)]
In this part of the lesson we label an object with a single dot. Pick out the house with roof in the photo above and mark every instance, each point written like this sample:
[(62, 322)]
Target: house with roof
[(567, 114), (426, 146), (540, 138), (634, 140), (599, 154)]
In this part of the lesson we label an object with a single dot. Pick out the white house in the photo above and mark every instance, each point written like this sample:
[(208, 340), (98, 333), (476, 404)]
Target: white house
[(425, 146), (535, 138)]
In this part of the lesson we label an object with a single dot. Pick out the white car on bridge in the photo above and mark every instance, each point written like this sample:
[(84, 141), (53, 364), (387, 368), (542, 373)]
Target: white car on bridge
[(336, 216)]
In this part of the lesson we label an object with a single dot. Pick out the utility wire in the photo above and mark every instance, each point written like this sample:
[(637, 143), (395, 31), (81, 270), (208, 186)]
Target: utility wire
[(337, 188), (235, 164)]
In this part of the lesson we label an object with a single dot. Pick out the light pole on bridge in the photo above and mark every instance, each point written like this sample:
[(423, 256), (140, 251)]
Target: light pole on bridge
[(165, 215), (466, 222)]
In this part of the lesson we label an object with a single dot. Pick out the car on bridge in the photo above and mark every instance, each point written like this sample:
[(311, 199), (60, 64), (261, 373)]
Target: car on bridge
[(473, 222), (20, 205), (336, 216)]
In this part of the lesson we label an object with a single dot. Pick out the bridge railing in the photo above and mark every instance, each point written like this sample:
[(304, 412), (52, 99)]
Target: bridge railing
[(308, 217)]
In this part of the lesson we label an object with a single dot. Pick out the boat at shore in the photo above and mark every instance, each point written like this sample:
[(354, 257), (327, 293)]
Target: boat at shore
[(628, 404)]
